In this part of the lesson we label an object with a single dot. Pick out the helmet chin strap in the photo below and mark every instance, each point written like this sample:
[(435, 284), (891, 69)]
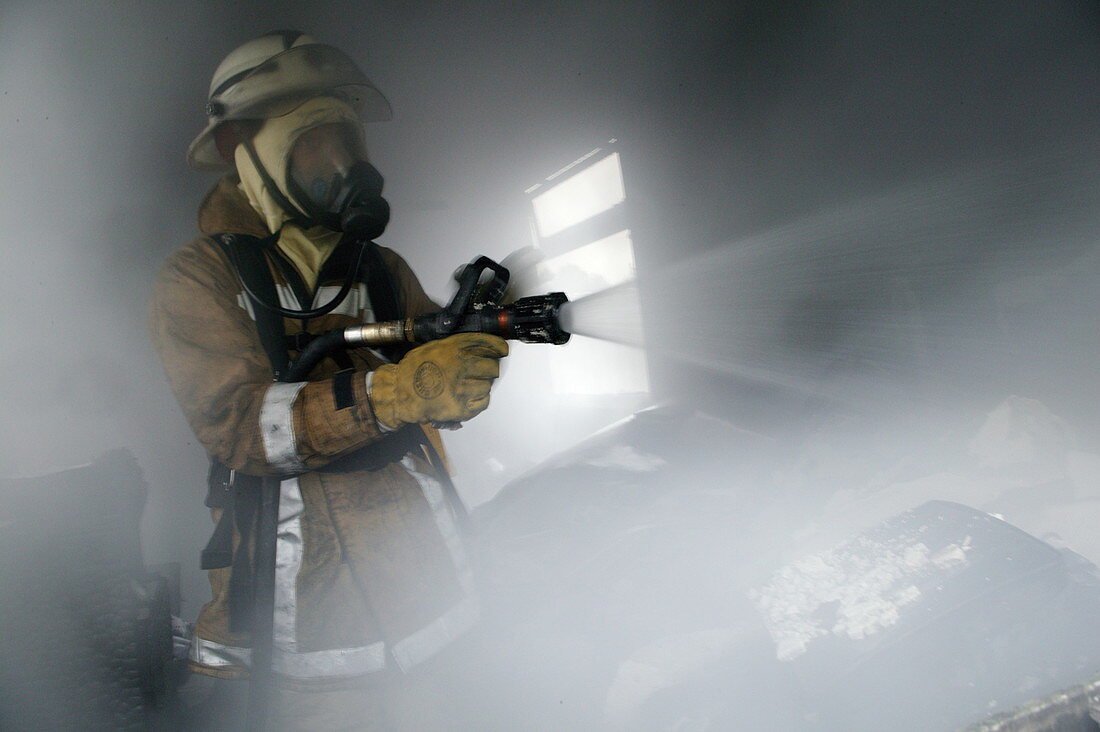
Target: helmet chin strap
[(297, 216)]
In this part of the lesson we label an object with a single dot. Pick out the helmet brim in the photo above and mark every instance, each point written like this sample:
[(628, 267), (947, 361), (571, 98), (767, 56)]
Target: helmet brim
[(281, 84), (202, 153)]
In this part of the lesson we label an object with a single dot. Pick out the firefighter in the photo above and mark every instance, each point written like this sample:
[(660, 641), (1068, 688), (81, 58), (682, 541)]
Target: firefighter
[(371, 582)]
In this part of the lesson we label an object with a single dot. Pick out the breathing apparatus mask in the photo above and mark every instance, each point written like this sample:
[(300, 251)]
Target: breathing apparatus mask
[(308, 165), (330, 178)]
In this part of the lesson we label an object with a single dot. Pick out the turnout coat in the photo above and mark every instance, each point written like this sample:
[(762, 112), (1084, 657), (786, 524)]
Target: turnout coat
[(370, 572)]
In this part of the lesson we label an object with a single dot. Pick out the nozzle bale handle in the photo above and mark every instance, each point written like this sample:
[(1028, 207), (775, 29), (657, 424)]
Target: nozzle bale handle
[(468, 277)]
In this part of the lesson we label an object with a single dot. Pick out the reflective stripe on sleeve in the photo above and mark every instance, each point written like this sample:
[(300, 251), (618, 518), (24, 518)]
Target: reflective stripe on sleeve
[(277, 427)]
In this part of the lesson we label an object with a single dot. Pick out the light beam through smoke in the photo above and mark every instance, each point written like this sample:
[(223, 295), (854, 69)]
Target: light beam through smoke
[(881, 292)]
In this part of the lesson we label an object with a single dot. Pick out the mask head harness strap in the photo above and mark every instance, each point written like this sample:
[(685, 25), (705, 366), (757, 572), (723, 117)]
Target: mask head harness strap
[(297, 216)]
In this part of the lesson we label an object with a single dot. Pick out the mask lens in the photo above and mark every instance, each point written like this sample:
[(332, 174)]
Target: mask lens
[(319, 162)]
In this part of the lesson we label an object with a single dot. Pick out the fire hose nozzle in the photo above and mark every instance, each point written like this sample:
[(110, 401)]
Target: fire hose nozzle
[(535, 319), (529, 319), (474, 309)]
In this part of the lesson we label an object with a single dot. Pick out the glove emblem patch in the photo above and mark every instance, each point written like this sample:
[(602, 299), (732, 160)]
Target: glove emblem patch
[(428, 380)]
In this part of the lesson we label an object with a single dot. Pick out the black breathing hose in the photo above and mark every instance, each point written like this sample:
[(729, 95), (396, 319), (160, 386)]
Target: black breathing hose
[(325, 309)]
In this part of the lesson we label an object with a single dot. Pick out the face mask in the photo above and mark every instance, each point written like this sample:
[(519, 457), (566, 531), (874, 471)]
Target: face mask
[(328, 174)]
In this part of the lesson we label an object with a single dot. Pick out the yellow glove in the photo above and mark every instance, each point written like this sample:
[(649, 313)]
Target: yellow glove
[(443, 381)]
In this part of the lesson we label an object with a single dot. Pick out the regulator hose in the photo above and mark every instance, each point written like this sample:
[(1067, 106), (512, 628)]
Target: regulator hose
[(345, 288)]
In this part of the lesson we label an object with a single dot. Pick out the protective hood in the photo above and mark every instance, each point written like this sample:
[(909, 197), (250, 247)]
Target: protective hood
[(273, 143), (307, 248)]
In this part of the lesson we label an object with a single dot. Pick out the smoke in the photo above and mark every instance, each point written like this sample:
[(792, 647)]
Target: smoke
[(858, 302), (859, 229), (883, 292)]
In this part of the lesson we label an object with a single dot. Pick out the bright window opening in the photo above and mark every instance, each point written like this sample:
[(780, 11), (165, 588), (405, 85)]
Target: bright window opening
[(588, 365), (592, 267), (594, 190)]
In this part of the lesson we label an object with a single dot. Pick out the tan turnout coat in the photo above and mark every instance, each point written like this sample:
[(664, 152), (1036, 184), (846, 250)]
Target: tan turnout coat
[(370, 572)]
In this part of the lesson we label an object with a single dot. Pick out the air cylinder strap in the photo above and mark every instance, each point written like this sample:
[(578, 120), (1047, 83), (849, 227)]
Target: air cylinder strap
[(246, 253)]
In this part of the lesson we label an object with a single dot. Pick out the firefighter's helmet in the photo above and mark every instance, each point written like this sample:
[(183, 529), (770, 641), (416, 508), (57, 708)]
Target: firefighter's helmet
[(271, 75)]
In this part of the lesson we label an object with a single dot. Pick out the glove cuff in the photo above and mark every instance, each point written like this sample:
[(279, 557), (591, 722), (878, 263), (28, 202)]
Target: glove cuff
[(382, 393)]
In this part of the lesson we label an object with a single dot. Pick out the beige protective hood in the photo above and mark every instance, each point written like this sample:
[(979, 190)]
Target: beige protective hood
[(307, 248)]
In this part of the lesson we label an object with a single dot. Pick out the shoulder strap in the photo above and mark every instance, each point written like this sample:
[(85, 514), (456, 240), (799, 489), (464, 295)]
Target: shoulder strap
[(246, 253), (226, 488), (381, 286), (384, 294)]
